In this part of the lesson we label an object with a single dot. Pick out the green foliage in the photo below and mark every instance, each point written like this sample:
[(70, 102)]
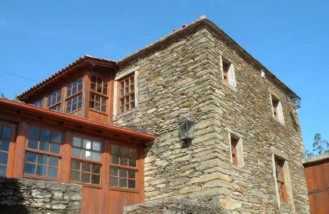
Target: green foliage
[(320, 147)]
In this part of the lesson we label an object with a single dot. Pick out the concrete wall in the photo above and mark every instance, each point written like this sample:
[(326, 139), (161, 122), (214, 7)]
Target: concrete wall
[(184, 79), (24, 196)]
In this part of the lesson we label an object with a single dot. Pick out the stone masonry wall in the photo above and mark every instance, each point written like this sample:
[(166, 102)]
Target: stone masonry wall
[(184, 79), (247, 111), (172, 206), (24, 196), (173, 83)]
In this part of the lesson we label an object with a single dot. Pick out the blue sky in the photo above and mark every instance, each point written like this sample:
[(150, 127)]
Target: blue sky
[(289, 37)]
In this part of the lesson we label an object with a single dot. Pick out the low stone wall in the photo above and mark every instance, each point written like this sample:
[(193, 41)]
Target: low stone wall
[(173, 206), (25, 196)]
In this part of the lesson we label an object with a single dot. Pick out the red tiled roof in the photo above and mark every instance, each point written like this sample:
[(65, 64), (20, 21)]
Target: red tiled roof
[(81, 61), (110, 129)]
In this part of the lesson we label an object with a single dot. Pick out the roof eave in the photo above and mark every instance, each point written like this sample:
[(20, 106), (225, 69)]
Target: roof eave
[(17, 106)]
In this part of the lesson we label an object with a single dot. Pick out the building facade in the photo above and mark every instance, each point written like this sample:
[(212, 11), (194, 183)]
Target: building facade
[(241, 148)]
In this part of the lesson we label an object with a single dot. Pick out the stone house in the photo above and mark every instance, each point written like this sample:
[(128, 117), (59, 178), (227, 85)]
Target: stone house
[(192, 119)]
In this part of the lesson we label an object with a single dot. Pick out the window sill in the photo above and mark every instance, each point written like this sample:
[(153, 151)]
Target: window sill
[(123, 190), (99, 112), (95, 186), (40, 177)]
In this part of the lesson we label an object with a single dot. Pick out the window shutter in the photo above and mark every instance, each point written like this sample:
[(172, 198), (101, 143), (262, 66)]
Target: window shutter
[(231, 76), (280, 112)]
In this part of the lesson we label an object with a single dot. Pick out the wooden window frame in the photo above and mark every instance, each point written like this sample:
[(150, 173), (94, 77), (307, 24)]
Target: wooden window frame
[(127, 168), (100, 95), (71, 96), (88, 161), (12, 126), (38, 151), (281, 179), (126, 93), (58, 100)]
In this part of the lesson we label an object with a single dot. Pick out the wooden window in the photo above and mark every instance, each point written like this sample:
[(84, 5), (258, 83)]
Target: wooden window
[(277, 109), (98, 85), (123, 167), (98, 94), (86, 157), (6, 132), (228, 73), (281, 179), (74, 96), (236, 150), (42, 152), (127, 93), (54, 100)]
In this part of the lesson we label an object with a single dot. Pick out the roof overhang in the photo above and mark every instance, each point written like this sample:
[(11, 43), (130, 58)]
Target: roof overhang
[(85, 61), (110, 130)]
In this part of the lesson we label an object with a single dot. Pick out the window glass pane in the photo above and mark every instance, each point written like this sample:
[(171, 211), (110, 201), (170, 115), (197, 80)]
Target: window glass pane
[(32, 144), (86, 177), (87, 155), (54, 147), (95, 156), (95, 179), (29, 168), (86, 144), (41, 170), (45, 135), (114, 171), (76, 152), (42, 159), (3, 158), (97, 146), (44, 146), (75, 165), (53, 161), (4, 145), (6, 133), (31, 157), (3, 170), (34, 133), (86, 167), (131, 184), (123, 182), (114, 181), (131, 174), (75, 175), (115, 159), (123, 173), (77, 142), (96, 169), (52, 172), (56, 137)]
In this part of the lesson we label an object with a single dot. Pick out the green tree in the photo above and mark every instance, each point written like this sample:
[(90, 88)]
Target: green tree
[(320, 146)]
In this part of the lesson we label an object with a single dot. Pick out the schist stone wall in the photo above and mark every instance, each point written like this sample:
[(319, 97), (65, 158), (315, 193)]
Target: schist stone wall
[(173, 206), (24, 196), (183, 79)]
